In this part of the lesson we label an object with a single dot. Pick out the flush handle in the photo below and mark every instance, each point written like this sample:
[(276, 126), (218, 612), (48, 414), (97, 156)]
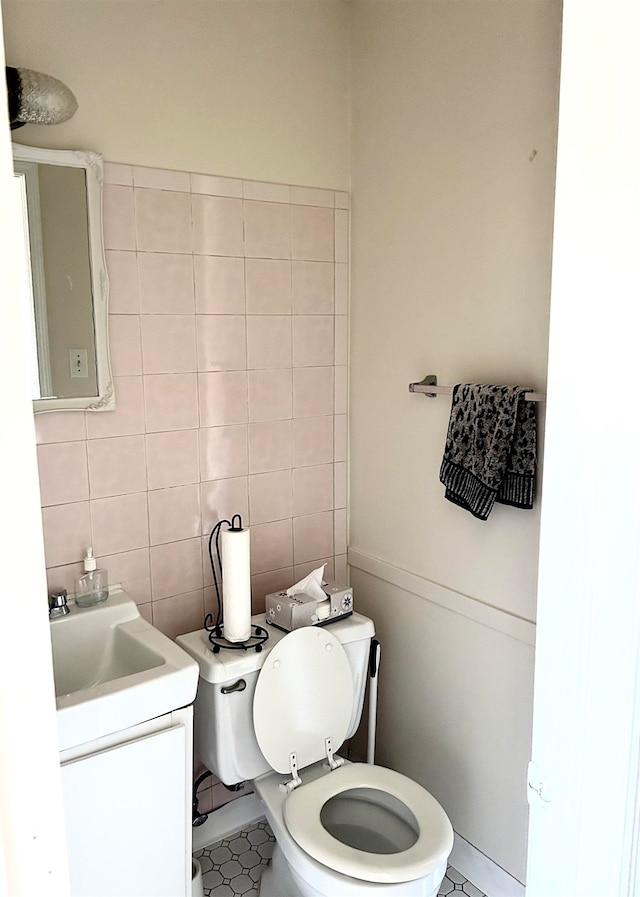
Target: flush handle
[(240, 685)]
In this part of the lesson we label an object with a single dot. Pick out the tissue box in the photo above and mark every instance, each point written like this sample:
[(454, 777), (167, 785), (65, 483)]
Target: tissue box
[(289, 612)]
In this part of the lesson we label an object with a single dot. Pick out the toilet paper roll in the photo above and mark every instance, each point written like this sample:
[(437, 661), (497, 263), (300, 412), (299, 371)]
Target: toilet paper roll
[(236, 585)]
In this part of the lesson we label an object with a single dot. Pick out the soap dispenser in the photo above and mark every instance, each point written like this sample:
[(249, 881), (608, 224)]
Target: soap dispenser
[(92, 586)]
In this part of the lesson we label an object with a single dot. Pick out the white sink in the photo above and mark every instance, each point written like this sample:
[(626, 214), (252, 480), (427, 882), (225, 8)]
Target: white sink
[(113, 670)]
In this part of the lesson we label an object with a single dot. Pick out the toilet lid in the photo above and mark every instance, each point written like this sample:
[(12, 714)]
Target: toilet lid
[(304, 694)]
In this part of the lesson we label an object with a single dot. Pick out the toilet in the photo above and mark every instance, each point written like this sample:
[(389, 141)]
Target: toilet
[(278, 718)]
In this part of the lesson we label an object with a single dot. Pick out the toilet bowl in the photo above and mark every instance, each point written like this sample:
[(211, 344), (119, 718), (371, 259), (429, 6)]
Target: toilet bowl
[(278, 717), (358, 830)]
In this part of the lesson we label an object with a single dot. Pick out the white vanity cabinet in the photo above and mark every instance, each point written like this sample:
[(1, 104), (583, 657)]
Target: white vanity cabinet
[(127, 800)]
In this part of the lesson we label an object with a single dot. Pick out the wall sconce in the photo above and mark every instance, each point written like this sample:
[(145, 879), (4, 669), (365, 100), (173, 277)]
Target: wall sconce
[(37, 99)]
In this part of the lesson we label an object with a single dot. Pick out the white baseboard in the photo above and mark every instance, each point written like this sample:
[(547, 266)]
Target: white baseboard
[(228, 820), (483, 872)]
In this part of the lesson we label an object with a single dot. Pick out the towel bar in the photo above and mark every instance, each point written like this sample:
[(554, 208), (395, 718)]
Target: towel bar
[(428, 386)]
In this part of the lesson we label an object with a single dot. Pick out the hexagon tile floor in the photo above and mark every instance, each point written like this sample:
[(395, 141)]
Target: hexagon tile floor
[(232, 867), (454, 883)]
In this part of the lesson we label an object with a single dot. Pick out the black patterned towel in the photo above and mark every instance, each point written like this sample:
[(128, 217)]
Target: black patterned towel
[(490, 453)]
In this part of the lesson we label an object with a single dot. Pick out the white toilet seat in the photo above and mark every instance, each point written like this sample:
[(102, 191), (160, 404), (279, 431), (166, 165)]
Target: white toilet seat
[(434, 843)]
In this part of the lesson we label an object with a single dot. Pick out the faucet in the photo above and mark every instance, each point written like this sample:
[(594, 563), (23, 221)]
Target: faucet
[(58, 606)]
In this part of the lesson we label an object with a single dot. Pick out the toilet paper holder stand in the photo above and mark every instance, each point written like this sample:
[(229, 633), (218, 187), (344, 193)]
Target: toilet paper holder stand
[(258, 635)]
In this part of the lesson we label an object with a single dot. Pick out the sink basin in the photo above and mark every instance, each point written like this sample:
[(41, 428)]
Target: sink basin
[(93, 646), (113, 670)]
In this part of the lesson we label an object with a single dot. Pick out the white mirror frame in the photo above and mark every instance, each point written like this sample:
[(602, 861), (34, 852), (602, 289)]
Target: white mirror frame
[(92, 164)]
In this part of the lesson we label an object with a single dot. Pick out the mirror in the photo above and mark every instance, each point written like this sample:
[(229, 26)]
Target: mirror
[(59, 195)]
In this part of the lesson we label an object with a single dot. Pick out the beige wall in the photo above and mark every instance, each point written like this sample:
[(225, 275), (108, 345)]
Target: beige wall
[(454, 127), (243, 88), (451, 266)]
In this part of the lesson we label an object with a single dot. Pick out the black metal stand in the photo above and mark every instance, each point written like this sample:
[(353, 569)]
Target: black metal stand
[(256, 640)]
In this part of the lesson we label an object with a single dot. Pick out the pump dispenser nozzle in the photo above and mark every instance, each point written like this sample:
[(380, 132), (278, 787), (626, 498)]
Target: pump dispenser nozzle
[(89, 561)]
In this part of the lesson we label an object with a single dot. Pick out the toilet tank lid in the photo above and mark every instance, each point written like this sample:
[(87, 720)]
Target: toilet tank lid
[(230, 664)]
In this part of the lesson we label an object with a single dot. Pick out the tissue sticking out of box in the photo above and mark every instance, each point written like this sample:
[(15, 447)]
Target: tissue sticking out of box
[(310, 602), (310, 585)]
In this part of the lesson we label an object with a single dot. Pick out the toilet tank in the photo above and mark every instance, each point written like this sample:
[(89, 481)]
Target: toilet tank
[(224, 738)]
